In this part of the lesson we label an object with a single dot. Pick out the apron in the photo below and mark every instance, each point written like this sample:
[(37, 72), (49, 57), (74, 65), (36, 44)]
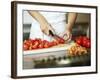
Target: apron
[(57, 21)]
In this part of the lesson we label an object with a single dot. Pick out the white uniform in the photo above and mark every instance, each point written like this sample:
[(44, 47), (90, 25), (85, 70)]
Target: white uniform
[(57, 21)]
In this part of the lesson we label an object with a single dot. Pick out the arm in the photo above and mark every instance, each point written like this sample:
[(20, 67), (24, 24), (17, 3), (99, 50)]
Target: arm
[(44, 25), (71, 20), (38, 16)]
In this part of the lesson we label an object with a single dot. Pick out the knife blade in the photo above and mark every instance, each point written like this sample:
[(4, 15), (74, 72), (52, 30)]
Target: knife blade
[(55, 36)]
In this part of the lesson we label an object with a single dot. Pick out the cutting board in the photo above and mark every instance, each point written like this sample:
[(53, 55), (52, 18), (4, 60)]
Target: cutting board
[(54, 49)]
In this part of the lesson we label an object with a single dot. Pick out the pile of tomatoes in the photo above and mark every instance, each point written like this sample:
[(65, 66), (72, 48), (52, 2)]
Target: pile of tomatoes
[(83, 41), (38, 43)]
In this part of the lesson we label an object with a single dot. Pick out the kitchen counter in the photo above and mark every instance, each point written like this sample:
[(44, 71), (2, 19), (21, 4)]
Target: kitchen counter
[(65, 61)]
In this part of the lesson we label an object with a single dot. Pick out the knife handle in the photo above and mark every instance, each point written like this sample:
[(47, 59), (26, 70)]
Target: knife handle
[(51, 33)]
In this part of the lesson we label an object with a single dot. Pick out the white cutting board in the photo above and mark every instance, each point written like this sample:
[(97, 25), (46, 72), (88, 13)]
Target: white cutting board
[(58, 50)]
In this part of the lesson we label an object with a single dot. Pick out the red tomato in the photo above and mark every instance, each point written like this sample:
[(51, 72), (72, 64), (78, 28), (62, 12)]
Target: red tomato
[(40, 46), (25, 47), (36, 43), (79, 41), (88, 45), (85, 38), (46, 44), (34, 46), (56, 42), (45, 41), (53, 43), (28, 42), (84, 43), (38, 39), (30, 47), (61, 41)]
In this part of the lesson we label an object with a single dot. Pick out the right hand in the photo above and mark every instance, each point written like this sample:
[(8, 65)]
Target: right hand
[(45, 27)]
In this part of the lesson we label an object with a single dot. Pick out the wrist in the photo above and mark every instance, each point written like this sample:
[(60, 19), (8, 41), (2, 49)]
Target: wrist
[(69, 27)]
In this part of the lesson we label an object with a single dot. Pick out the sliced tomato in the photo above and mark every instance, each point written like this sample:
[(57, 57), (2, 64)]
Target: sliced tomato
[(34, 46), (36, 43), (61, 41), (30, 47), (25, 47), (53, 43), (46, 44), (40, 46), (28, 42)]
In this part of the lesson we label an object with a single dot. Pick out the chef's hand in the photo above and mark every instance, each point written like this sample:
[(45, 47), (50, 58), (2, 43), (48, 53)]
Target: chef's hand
[(45, 27), (67, 35)]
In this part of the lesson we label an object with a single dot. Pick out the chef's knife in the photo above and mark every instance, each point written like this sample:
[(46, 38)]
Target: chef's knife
[(55, 36)]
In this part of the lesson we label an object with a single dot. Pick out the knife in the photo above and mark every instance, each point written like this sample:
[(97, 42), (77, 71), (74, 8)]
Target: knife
[(55, 36)]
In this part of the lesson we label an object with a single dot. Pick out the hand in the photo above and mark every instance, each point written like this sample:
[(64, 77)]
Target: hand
[(66, 35), (45, 27)]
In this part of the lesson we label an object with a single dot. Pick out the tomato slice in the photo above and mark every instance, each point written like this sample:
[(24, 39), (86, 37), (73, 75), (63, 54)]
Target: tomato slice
[(61, 41), (40, 46), (37, 43), (46, 44), (25, 47)]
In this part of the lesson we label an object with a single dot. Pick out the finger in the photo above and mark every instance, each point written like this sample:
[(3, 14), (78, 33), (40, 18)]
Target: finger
[(45, 32), (67, 37), (70, 36)]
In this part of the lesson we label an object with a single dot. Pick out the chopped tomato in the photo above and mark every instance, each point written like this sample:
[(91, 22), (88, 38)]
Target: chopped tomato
[(61, 41), (40, 46), (25, 47), (38, 43)]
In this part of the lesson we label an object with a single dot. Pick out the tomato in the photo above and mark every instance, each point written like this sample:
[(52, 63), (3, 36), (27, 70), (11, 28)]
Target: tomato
[(83, 41), (45, 41), (79, 41), (51, 44), (85, 38), (46, 44), (86, 42), (34, 46), (88, 45), (56, 42), (38, 39), (40, 46), (25, 47), (61, 41), (36, 43), (28, 42), (30, 47)]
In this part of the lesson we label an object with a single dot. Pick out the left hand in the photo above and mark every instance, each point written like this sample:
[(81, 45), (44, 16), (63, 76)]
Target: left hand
[(66, 35)]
